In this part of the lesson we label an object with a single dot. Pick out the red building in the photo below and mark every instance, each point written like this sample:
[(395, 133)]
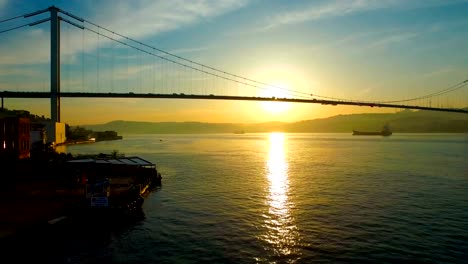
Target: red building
[(14, 138)]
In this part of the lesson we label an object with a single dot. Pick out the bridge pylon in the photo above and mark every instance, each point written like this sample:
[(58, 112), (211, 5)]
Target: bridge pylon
[(54, 69), (54, 64)]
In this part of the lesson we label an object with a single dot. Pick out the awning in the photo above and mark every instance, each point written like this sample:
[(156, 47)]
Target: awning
[(134, 161)]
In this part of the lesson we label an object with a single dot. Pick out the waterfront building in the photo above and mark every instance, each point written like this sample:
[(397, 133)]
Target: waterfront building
[(55, 132), (14, 138)]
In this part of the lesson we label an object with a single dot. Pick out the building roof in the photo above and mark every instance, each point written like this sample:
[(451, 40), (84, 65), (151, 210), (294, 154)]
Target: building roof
[(135, 161)]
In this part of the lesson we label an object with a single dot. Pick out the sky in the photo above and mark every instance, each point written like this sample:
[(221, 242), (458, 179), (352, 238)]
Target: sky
[(366, 50)]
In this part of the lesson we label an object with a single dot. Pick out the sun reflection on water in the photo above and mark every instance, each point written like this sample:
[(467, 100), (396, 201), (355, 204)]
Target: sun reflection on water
[(281, 232)]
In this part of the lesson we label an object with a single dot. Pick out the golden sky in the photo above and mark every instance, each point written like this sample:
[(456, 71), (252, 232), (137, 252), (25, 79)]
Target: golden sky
[(357, 50)]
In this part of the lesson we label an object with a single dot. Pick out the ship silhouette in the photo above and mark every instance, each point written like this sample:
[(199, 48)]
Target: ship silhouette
[(384, 132)]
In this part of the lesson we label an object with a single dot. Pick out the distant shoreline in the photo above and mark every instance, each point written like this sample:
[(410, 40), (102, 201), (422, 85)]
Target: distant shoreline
[(89, 141), (277, 131), (401, 122)]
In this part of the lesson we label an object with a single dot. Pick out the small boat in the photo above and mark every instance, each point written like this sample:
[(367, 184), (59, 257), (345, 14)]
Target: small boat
[(384, 132)]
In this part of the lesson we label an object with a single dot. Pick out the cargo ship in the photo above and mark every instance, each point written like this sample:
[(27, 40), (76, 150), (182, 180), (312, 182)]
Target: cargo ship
[(384, 132)]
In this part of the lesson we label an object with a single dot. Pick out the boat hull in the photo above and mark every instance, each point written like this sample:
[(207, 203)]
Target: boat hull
[(369, 133)]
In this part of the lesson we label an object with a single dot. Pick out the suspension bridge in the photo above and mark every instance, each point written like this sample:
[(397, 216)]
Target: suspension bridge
[(155, 73)]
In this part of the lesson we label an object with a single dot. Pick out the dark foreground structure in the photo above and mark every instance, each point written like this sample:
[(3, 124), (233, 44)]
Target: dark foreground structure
[(39, 193), (114, 185)]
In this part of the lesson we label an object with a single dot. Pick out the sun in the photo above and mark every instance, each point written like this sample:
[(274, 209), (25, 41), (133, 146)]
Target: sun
[(275, 107), (276, 90)]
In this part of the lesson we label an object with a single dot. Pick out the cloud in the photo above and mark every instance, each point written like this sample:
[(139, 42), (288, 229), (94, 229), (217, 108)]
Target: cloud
[(189, 50), (331, 9), (343, 8), (6, 71), (441, 71), (135, 19), (149, 18), (392, 39), (363, 92), (27, 47)]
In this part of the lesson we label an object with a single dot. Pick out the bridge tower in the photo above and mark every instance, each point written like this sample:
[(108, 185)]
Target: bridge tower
[(55, 130), (54, 64)]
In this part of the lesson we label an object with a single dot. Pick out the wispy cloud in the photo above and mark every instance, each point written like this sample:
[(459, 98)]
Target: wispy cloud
[(363, 41), (17, 51), (122, 73), (330, 9), (350, 40), (363, 92), (6, 71), (189, 50), (149, 18), (392, 39), (441, 71), (343, 8), (135, 19)]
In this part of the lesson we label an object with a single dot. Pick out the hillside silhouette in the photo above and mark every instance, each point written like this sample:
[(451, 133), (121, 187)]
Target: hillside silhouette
[(406, 121)]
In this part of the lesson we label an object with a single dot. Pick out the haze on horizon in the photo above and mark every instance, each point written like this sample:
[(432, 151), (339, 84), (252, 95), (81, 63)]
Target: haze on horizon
[(361, 50)]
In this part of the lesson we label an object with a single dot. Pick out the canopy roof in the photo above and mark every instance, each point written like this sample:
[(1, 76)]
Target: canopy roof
[(135, 161)]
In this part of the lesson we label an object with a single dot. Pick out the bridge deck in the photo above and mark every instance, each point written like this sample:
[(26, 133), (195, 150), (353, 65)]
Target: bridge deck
[(7, 94)]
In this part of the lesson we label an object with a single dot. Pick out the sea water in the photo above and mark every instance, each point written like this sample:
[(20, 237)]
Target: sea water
[(290, 198)]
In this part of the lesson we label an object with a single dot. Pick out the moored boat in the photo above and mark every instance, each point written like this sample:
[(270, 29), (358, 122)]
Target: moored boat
[(115, 184)]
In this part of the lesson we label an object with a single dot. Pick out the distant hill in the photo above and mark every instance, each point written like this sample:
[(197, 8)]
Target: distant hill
[(134, 127), (405, 122)]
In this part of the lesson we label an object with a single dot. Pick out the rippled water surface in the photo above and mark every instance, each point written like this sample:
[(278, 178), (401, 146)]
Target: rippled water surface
[(292, 198)]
